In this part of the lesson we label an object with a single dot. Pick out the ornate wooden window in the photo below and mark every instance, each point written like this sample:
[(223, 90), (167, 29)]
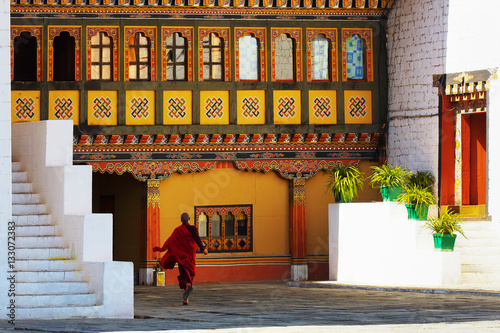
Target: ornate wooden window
[(213, 54), (176, 57), (140, 55), (213, 58), (286, 52), (321, 55), (177, 54), (357, 51), (225, 228), (250, 56), (25, 57), (64, 53), (102, 53), (21, 53), (101, 64)]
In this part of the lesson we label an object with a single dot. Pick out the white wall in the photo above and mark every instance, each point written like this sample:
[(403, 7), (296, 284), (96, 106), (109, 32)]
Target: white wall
[(416, 49), (472, 42), (5, 152)]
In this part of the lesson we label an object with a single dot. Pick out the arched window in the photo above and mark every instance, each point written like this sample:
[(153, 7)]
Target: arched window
[(139, 58), (176, 57), (225, 228), (64, 57), (249, 58), (242, 225), (285, 58), (202, 225), (25, 54), (216, 225), (101, 54), (355, 58), (213, 58), (229, 225), (320, 58)]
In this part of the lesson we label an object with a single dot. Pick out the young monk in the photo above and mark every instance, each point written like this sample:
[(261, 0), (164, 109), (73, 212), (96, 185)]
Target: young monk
[(181, 249)]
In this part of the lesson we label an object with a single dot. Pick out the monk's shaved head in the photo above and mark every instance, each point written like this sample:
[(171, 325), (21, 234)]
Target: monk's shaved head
[(184, 218)]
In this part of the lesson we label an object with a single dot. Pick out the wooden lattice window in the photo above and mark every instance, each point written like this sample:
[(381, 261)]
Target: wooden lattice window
[(213, 58), (139, 65), (101, 55), (225, 228), (177, 50)]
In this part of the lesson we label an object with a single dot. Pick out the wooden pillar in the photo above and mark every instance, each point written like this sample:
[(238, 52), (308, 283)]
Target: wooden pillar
[(151, 231), (297, 230)]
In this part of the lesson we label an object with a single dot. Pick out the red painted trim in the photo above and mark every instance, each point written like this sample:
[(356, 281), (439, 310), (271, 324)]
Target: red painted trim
[(234, 273), (447, 172)]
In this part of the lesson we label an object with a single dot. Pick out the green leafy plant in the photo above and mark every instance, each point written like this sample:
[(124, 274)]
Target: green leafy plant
[(389, 175), (448, 223), (344, 181), (422, 179), (416, 195)]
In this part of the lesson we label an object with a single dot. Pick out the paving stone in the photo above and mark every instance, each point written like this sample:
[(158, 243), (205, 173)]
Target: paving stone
[(304, 307)]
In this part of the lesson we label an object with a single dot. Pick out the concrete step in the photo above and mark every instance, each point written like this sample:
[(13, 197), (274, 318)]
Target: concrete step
[(55, 300), (22, 188), (46, 265), (480, 259), (42, 253), (70, 312), (36, 230), (52, 287), (478, 251), (30, 209), (479, 278), (39, 241), (481, 268), (25, 198), (19, 177), (477, 242), (16, 166), (61, 276), (40, 219)]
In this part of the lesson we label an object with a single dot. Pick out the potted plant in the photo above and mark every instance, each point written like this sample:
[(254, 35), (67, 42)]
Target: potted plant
[(158, 275), (422, 179), (444, 229), (390, 179), (344, 181), (417, 200)]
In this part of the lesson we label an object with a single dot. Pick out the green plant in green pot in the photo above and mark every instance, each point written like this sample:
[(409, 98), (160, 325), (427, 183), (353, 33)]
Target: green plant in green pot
[(417, 200), (390, 179), (344, 182), (444, 229), (422, 179)]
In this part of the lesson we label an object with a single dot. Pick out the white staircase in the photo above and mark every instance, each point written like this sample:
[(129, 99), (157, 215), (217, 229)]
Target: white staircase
[(480, 254), (49, 283)]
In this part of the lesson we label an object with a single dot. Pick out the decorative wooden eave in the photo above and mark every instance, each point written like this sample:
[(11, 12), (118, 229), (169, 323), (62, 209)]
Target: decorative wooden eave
[(466, 90), (250, 9), (158, 156), (465, 82)]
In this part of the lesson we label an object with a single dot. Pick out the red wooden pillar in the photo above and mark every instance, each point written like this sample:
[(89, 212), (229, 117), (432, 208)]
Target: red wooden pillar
[(151, 231), (297, 232)]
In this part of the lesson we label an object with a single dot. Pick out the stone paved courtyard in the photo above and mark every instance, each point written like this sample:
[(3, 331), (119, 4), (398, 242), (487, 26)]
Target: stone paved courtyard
[(278, 307)]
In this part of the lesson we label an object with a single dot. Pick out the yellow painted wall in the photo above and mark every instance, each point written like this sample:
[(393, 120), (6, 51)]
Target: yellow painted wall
[(267, 192), (317, 201)]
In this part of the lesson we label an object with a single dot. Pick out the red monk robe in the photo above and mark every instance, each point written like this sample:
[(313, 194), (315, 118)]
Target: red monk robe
[(181, 249)]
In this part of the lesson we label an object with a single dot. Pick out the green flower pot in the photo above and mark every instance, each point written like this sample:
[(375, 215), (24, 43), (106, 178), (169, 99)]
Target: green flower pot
[(444, 242), (419, 214), (390, 193)]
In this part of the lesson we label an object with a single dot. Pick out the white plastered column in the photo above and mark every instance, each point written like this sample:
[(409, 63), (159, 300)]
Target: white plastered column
[(493, 112)]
